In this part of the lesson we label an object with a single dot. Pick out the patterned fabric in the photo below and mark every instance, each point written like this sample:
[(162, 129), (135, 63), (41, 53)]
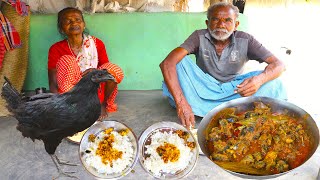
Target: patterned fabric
[(118, 75), (21, 7), (88, 56), (2, 52), (93, 55), (61, 48), (69, 74), (8, 34)]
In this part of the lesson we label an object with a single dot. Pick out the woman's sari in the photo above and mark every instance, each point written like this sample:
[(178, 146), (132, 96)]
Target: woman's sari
[(70, 70)]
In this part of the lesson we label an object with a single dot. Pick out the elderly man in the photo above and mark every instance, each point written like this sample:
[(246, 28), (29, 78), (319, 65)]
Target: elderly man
[(221, 53)]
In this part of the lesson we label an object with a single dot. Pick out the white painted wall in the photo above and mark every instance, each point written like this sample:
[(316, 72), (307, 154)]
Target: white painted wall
[(297, 28)]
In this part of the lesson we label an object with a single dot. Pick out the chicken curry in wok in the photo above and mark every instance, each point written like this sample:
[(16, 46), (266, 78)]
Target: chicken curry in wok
[(257, 142)]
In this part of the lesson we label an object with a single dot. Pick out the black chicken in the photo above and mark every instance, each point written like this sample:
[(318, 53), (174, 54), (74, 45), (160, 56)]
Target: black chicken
[(51, 117)]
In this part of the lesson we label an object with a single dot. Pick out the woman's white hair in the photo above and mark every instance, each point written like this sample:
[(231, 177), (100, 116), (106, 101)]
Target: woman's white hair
[(222, 4)]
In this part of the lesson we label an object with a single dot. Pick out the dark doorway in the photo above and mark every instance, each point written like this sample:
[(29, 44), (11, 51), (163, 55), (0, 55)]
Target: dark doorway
[(240, 4)]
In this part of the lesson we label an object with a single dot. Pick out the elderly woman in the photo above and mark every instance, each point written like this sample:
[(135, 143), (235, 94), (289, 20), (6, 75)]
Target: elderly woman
[(73, 57)]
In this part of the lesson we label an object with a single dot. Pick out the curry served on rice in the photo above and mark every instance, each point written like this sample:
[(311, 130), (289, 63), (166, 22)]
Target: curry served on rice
[(105, 148), (185, 136), (170, 152), (110, 151), (257, 142)]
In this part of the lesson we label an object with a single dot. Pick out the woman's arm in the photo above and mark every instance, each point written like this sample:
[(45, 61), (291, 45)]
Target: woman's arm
[(52, 75)]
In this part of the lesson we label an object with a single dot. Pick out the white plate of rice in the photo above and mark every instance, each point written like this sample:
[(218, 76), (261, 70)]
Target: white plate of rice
[(168, 150), (109, 150)]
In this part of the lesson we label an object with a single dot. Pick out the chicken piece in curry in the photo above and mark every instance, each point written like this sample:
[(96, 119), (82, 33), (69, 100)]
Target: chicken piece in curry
[(258, 142)]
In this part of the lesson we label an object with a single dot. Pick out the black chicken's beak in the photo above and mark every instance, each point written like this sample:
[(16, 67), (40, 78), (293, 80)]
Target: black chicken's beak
[(102, 77)]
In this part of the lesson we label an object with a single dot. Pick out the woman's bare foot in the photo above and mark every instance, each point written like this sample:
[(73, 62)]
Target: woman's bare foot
[(104, 112)]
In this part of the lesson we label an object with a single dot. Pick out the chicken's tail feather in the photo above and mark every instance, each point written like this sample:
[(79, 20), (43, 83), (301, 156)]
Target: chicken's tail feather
[(10, 94)]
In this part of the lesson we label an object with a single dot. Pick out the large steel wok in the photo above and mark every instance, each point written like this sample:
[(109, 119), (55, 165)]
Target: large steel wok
[(247, 103)]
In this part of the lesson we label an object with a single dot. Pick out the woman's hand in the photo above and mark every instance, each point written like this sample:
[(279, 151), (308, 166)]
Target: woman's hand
[(249, 86), (185, 113)]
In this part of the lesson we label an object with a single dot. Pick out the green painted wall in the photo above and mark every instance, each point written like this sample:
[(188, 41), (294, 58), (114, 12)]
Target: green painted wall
[(137, 42)]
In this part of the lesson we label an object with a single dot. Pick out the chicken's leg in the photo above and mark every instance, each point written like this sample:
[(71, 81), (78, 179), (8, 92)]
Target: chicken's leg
[(63, 162), (57, 163)]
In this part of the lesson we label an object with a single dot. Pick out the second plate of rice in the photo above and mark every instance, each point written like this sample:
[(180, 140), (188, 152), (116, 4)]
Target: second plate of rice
[(168, 150)]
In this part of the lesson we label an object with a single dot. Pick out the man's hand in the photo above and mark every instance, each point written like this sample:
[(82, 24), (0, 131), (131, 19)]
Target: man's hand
[(185, 114), (249, 86), (169, 72)]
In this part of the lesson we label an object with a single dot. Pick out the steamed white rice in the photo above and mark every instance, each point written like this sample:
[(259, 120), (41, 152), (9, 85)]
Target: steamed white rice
[(121, 143), (155, 163)]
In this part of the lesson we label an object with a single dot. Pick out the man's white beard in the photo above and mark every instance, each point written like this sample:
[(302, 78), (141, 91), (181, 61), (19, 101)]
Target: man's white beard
[(225, 35)]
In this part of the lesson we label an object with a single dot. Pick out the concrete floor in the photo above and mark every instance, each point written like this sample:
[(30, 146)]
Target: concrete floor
[(22, 159)]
